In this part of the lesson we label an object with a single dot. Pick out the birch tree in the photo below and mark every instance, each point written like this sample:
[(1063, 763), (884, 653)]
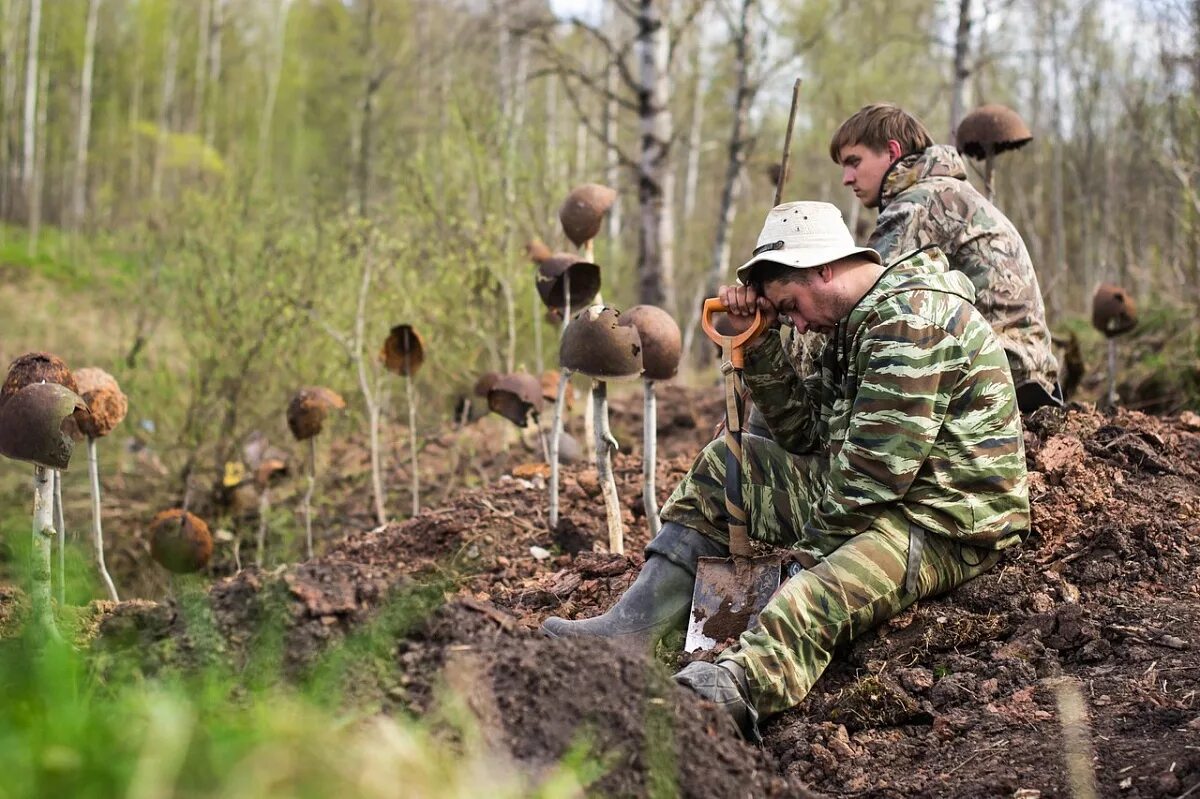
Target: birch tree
[(79, 187)]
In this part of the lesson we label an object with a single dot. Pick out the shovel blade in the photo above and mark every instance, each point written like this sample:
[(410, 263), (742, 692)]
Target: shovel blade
[(728, 596)]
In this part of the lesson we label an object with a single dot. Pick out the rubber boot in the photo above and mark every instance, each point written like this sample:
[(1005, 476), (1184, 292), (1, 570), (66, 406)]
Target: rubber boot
[(659, 599), (724, 684)]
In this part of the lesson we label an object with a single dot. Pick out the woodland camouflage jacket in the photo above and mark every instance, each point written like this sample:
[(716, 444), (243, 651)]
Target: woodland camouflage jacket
[(925, 199), (913, 404)]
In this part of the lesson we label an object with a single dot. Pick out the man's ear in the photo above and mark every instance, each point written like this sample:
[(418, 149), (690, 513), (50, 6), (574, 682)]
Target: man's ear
[(826, 272), (894, 150)]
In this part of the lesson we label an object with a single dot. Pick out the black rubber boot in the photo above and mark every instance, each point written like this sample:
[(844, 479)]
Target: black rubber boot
[(724, 684), (657, 602)]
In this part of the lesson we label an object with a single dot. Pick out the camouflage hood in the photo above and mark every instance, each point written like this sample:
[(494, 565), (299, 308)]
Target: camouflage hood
[(922, 270), (938, 161)]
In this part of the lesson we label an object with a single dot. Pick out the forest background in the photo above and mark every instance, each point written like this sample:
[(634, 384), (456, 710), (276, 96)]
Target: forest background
[(196, 194)]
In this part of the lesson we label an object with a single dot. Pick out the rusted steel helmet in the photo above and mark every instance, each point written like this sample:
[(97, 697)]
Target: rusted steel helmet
[(403, 351), (105, 400), (485, 382), (36, 367), (537, 250), (596, 344), (551, 285), (36, 424), (180, 541), (991, 129), (308, 408), (582, 213), (662, 342), (515, 396), (774, 170), (1113, 310)]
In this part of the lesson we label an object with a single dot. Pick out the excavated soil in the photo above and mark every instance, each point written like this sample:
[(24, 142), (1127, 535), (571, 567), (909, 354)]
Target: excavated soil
[(1076, 655)]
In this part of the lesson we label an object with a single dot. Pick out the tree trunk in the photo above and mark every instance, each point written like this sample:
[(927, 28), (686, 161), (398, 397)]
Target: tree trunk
[(958, 90), (370, 86), (735, 165), (29, 132), (166, 100), (691, 175), (612, 163), (275, 72), (214, 71), (1060, 279), (79, 189), (655, 178), (10, 176), (39, 164)]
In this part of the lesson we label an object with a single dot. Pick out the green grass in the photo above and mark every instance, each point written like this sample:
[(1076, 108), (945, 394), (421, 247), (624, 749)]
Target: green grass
[(74, 263)]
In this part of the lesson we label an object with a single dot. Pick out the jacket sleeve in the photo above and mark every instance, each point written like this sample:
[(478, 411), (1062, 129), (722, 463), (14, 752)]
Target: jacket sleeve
[(900, 229), (790, 404), (907, 369)]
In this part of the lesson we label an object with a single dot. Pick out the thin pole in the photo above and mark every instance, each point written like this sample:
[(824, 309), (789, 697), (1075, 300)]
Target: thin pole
[(40, 556), (649, 455), (61, 524), (308, 493), (605, 445), (97, 533), (412, 445), (787, 142), (556, 428)]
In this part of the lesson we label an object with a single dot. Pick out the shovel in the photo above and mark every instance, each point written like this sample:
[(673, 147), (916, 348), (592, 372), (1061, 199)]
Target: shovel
[(730, 592)]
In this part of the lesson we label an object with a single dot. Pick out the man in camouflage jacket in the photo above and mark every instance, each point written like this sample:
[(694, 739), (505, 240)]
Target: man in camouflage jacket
[(897, 470), (924, 198)]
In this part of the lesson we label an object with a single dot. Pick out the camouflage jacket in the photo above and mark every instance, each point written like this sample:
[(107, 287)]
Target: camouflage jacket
[(926, 199), (913, 404)]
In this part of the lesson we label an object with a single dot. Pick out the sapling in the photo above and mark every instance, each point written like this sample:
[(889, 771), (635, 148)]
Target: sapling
[(108, 406), (305, 417), (599, 346), (662, 345), (32, 428), (403, 353)]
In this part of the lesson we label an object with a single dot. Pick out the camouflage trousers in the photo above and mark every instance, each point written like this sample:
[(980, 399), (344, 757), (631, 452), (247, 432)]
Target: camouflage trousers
[(857, 583)]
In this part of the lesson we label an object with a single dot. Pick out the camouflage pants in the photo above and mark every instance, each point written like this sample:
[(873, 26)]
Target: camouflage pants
[(858, 582)]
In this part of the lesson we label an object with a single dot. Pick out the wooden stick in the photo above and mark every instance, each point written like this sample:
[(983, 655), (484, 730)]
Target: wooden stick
[(61, 523), (649, 455), (556, 427), (308, 493), (605, 446), (40, 558), (412, 445), (97, 533), (787, 142)]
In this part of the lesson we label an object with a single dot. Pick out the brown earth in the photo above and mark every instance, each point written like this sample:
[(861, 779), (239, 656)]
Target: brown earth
[(967, 695)]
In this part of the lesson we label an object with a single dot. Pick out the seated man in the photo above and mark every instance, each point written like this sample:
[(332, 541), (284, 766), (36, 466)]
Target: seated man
[(912, 473), (921, 190)]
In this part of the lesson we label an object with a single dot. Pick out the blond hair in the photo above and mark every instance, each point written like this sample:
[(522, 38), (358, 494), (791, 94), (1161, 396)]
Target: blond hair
[(873, 126)]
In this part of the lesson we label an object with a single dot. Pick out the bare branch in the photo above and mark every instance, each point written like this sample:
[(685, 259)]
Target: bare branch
[(596, 132), (685, 22)]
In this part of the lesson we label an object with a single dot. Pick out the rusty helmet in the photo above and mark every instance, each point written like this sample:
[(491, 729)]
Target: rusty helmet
[(308, 408), (662, 342), (403, 351), (105, 400), (180, 541), (596, 344), (1113, 310), (991, 129), (36, 424), (514, 396), (554, 273), (582, 213)]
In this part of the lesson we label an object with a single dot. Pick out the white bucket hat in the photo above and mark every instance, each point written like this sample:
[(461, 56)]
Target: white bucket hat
[(804, 235)]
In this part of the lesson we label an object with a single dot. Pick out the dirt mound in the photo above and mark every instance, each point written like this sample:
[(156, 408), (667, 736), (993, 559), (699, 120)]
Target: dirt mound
[(957, 696)]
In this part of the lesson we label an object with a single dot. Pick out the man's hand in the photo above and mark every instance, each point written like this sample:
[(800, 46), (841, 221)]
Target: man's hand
[(742, 301)]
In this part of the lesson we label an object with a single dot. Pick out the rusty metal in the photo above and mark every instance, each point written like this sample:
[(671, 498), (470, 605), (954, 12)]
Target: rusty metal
[(1113, 310), (991, 129), (308, 408), (403, 351), (36, 424), (180, 541), (662, 343), (582, 213), (516, 396), (598, 345), (105, 400), (554, 274)]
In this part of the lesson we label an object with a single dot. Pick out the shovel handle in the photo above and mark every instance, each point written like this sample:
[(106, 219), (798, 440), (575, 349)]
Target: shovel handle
[(713, 306)]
